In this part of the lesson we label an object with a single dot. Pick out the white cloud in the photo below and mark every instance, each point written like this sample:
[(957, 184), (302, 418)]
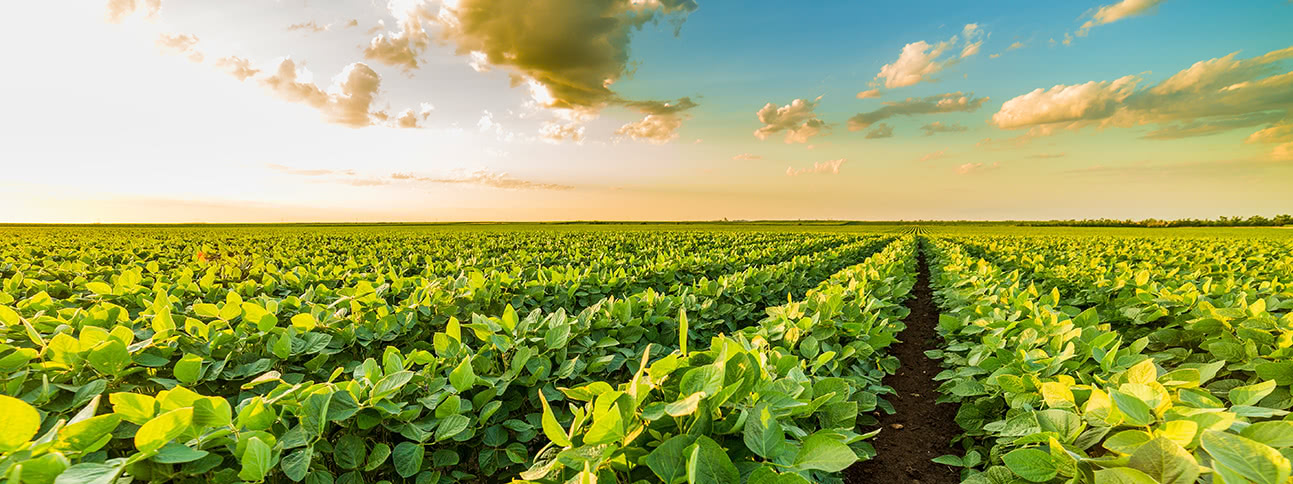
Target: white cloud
[(919, 60), (347, 102), (1209, 97), (237, 67), (1065, 104), (1114, 12), (119, 10), (661, 122), (869, 93), (180, 44), (797, 119)]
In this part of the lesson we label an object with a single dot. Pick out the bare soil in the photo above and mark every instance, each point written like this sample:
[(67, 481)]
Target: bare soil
[(919, 430)]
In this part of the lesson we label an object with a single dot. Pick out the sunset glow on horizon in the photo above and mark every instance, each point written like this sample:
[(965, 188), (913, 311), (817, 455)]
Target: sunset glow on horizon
[(511, 110)]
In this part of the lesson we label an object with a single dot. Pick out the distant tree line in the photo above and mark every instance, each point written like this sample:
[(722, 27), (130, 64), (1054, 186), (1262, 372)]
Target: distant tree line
[(1253, 221)]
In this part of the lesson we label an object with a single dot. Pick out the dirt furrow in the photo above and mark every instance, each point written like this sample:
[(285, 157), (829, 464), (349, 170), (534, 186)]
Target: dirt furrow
[(919, 430)]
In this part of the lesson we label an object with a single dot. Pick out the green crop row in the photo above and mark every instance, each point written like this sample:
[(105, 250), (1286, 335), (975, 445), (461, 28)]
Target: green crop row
[(777, 402), (133, 376), (1049, 392)]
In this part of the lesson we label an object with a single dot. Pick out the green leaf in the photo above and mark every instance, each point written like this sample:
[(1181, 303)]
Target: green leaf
[(255, 460), (1251, 394), (454, 329), (669, 460), (187, 369), (606, 428), (1134, 410), (133, 407), (682, 330), (297, 464), (551, 427), (463, 377), (1127, 441), (708, 379), (19, 422), (90, 473), (378, 456), (174, 453), (80, 436), (824, 453), (1255, 461), (304, 322), (686, 406), (408, 459), (762, 433), (1165, 461), (99, 288), (1031, 464), (390, 384), (949, 460), (1275, 434), (1280, 372), (110, 358), (349, 452), (451, 426), (1122, 475), (162, 429), (709, 464)]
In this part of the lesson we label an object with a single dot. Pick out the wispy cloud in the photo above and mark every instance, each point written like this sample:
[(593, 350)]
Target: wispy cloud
[(1114, 12), (938, 127), (1047, 156), (941, 103), (935, 155), (880, 130), (972, 168), (831, 167), (481, 177), (747, 157)]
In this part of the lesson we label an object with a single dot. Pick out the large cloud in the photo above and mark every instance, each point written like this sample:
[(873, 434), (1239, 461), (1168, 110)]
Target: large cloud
[(1209, 97), (661, 122), (942, 103), (348, 101), (401, 49), (1117, 11), (575, 49), (797, 119), (919, 60), (1065, 104)]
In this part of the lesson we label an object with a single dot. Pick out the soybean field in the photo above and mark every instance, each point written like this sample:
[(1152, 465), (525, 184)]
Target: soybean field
[(726, 353)]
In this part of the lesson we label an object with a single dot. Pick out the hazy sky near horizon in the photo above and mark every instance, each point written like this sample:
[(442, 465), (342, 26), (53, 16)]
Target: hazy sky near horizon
[(433, 110)]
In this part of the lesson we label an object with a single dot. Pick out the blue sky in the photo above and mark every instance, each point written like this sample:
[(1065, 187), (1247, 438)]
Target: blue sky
[(247, 110)]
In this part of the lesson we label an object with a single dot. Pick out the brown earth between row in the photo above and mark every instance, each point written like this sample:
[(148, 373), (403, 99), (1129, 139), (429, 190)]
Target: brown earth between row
[(919, 430)]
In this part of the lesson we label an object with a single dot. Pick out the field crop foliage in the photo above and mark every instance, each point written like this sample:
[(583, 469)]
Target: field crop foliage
[(601, 354)]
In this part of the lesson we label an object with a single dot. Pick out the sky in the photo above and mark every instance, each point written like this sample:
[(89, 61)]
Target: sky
[(451, 110)]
